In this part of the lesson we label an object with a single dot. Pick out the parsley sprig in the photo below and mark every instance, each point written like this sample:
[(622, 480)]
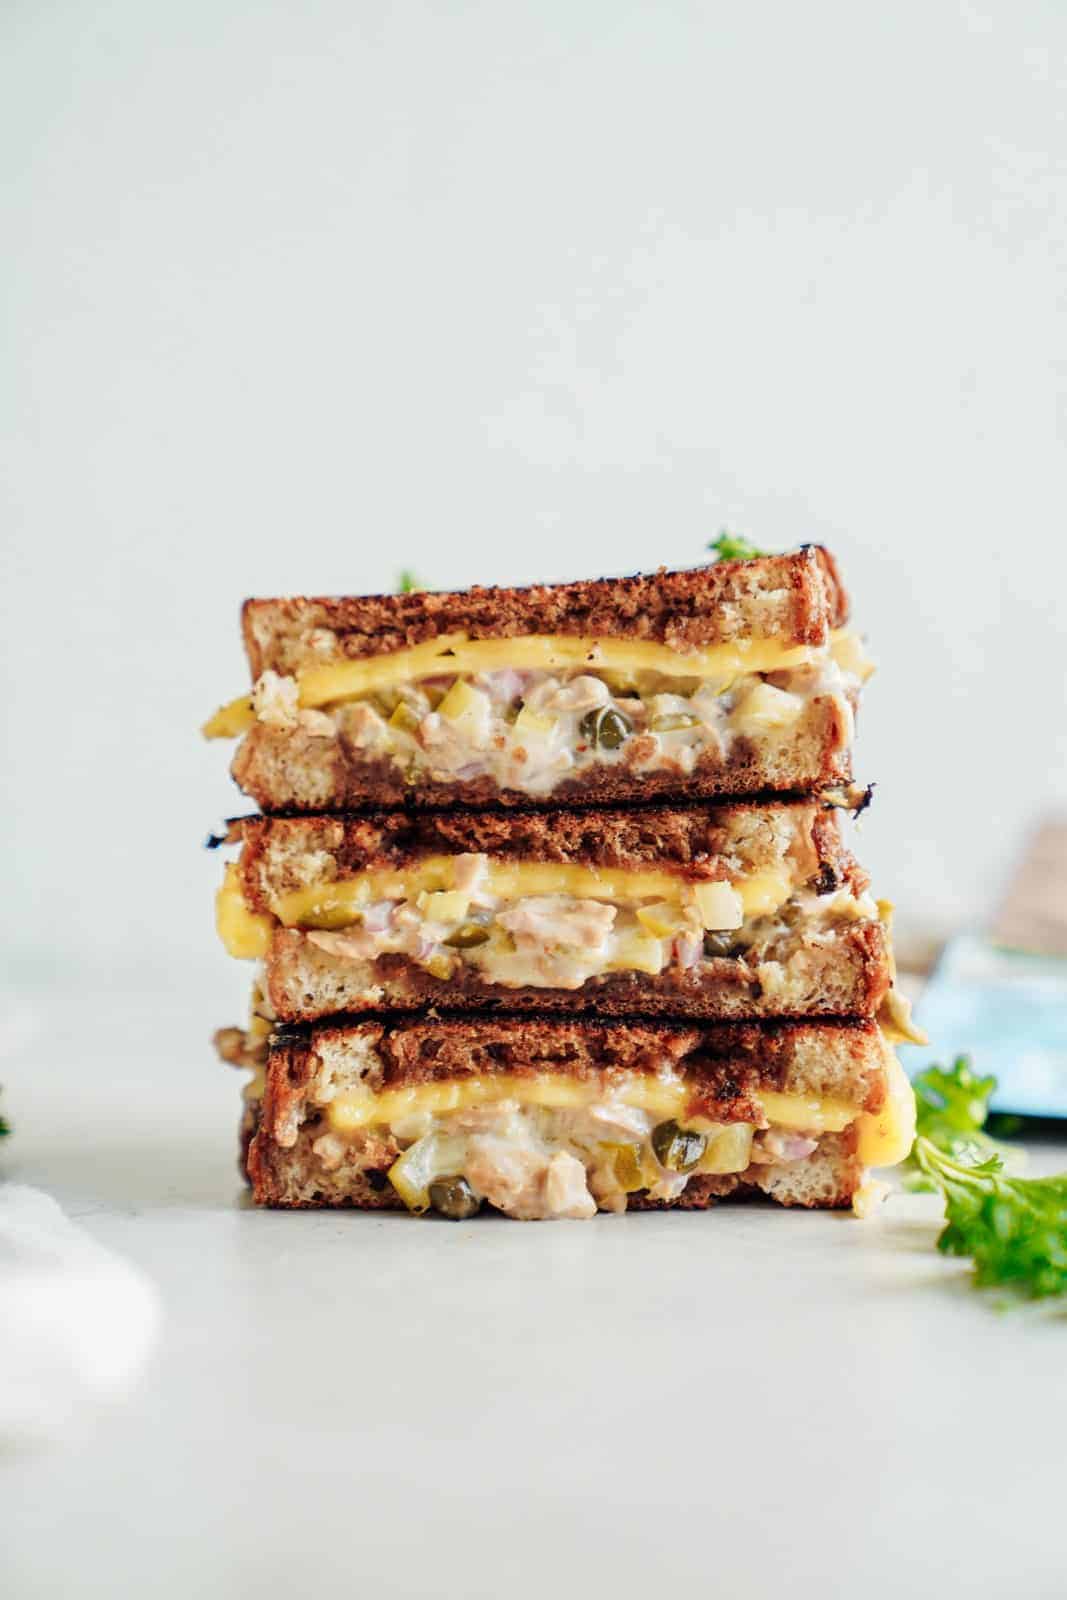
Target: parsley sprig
[(730, 547), (407, 582), (951, 1108), (1013, 1228)]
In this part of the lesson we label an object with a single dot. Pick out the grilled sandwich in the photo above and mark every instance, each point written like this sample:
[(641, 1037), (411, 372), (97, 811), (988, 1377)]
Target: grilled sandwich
[(729, 911), (732, 679), (543, 1118)]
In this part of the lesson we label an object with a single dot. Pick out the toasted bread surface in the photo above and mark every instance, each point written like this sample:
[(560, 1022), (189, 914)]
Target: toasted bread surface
[(728, 1061), (796, 597), (702, 842)]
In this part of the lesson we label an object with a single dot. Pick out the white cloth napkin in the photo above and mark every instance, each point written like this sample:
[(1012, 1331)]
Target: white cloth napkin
[(76, 1321)]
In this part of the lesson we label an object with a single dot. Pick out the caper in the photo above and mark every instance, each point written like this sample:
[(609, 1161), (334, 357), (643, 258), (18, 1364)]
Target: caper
[(671, 721), (721, 942), (454, 1198), (606, 727), (677, 1148), (467, 935)]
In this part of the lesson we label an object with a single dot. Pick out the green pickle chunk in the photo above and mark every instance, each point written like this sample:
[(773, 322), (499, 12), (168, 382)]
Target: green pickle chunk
[(677, 1149), (467, 935)]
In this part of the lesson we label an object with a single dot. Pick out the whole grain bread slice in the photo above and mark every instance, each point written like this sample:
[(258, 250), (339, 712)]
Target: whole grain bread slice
[(728, 1066), (797, 598), (283, 854)]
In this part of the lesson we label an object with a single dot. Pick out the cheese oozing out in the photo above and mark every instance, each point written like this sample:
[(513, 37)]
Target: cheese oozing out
[(883, 1137)]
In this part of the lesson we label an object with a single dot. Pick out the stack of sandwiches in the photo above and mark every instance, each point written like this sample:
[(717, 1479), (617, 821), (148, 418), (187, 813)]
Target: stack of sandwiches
[(551, 903)]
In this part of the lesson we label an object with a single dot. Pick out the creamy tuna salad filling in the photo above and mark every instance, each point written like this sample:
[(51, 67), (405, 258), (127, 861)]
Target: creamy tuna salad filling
[(465, 913), (561, 941), (551, 1146), (530, 729)]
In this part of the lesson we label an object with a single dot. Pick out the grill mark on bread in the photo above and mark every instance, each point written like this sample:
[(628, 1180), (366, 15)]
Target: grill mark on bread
[(801, 591), (694, 842)]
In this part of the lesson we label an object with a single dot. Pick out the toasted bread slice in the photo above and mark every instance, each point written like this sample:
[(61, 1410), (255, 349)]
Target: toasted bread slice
[(797, 597), (576, 911), (543, 1118), (730, 679)]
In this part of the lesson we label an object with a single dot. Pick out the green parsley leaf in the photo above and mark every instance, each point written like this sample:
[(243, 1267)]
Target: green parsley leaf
[(1013, 1229), (729, 547), (951, 1106), (408, 583)]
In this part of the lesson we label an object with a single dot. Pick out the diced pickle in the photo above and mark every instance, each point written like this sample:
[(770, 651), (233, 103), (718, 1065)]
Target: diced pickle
[(454, 1198), (678, 1149), (620, 680), (441, 964), (633, 1167), (605, 727), (672, 721), (468, 935), (404, 719), (729, 1150)]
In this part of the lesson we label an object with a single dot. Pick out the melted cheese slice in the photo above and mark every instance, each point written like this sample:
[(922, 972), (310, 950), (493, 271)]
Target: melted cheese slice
[(456, 654), (332, 905), (884, 1138), (246, 934), (230, 720)]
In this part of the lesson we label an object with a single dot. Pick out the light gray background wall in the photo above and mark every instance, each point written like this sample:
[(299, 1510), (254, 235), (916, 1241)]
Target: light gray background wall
[(294, 295)]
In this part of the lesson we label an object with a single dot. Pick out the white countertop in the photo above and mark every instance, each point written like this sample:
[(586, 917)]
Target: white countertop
[(753, 1401)]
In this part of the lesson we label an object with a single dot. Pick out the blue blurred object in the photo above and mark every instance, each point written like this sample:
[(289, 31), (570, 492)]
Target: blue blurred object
[(1008, 1010)]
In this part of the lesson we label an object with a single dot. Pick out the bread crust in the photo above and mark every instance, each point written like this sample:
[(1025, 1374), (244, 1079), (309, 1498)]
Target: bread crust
[(291, 770), (697, 843), (797, 597)]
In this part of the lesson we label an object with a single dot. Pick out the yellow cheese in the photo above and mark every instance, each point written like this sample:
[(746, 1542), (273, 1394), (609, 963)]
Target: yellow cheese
[(806, 1113), (246, 934), (456, 654), (886, 1136), (332, 904), (359, 1108), (230, 720), (615, 659)]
